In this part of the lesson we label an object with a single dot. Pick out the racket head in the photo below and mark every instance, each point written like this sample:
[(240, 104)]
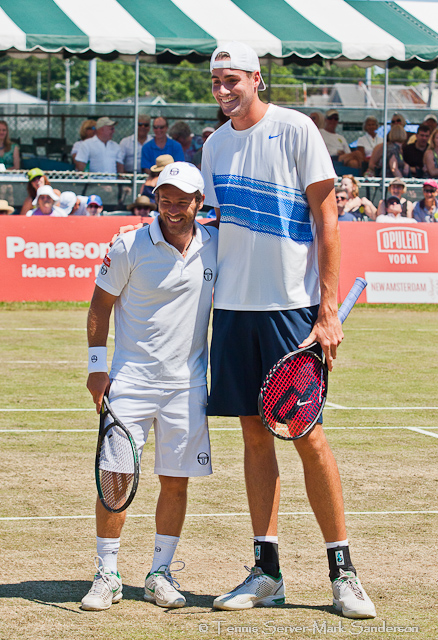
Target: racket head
[(293, 394), (117, 467)]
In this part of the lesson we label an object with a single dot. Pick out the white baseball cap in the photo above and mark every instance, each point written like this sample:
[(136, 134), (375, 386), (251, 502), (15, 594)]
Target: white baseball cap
[(241, 57), (183, 175), (45, 190), (67, 201)]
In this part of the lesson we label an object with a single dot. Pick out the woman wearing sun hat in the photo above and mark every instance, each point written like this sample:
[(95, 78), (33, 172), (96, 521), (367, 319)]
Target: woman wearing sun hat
[(36, 179)]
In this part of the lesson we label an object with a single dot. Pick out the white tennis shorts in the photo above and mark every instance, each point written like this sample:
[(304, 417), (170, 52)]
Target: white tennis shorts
[(182, 442)]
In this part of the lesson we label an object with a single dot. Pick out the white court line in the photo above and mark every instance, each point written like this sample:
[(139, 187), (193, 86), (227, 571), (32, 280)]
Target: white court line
[(423, 431), (69, 362), (221, 515), (42, 410), (43, 328), (93, 430)]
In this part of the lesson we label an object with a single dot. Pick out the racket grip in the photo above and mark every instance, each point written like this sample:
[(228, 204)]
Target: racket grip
[(351, 299)]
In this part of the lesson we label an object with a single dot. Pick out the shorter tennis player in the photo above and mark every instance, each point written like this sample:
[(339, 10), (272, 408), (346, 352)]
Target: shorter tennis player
[(159, 279)]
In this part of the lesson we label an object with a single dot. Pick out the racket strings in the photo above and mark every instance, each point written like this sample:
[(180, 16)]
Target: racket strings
[(116, 466), (290, 408)]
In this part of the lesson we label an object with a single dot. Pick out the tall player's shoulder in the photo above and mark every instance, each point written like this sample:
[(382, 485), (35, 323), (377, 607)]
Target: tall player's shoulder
[(290, 116)]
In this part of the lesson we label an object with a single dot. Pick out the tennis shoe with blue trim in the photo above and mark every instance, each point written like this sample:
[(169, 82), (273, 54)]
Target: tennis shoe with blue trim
[(159, 588), (259, 589), (350, 597), (105, 590)]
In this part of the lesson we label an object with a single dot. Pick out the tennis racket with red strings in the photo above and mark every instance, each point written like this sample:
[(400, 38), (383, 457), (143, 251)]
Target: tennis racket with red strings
[(294, 391)]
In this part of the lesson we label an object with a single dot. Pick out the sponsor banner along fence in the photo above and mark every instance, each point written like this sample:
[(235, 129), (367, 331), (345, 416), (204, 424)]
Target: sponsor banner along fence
[(59, 258)]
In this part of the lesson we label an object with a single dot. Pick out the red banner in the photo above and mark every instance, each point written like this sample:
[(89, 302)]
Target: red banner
[(58, 258), (399, 261)]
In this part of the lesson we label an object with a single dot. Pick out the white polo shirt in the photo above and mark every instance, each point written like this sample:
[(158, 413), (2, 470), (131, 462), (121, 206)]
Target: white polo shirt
[(163, 306), (102, 157), (127, 147), (335, 142)]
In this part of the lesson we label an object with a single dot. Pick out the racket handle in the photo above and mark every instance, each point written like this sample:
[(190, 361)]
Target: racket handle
[(352, 296)]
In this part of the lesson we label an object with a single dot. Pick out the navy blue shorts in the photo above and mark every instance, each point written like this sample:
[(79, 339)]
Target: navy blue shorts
[(245, 345)]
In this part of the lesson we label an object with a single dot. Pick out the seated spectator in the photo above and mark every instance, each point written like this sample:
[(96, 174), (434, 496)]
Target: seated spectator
[(5, 208), (362, 208), (375, 164), (45, 203), (150, 184), (341, 201), (413, 154), (370, 139), (206, 133), (160, 145), (430, 121), (426, 210), (142, 206), (86, 131), (397, 188), (9, 151), (431, 155), (393, 212), (318, 118), (94, 206), (69, 203), (180, 131), (127, 144), (337, 145), (100, 151), (36, 179), (395, 164)]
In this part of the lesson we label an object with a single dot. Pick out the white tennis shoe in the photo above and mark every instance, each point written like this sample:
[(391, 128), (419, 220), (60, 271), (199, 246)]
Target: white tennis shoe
[(105, 590), (158, 588), (258, 589), (350, 597)]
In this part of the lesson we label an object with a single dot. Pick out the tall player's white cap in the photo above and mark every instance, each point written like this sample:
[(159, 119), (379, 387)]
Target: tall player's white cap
[(241, 57)]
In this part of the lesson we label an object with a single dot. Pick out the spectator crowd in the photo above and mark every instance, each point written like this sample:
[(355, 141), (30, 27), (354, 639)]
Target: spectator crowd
[(158, 145)]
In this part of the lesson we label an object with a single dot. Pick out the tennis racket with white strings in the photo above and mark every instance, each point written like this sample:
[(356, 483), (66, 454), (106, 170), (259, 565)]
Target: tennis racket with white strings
[(117, 467), (294, 391)]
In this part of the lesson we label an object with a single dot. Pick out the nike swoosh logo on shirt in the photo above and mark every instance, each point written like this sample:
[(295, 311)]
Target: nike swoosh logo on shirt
[(278, 134)]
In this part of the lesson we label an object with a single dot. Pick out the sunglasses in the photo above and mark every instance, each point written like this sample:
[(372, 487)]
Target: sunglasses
[(93, 206), (429, 190), (398, 121), (340, 198), (144, 124), (333, 118), (159, 126)]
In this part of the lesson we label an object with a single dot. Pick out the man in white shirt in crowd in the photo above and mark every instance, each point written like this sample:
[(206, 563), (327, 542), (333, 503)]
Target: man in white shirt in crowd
[(393, 212), (336, 144), (127, 144), (103, 154), (159, 279)]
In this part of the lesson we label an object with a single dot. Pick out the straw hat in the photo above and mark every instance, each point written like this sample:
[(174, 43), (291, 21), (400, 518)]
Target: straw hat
[(161, 162)]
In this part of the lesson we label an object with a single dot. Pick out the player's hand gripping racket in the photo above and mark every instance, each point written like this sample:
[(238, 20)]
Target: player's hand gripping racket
[(294, 391), (117, 468)]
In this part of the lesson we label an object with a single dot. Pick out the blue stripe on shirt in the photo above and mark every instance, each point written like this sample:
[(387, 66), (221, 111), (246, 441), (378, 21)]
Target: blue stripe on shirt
[(263, 207)]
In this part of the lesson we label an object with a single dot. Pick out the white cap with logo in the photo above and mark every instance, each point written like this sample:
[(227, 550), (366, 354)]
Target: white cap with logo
[(183, 175), (241, 57)]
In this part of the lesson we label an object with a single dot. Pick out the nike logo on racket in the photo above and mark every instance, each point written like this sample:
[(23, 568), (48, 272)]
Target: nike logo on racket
[(276, 136), (301, 404)]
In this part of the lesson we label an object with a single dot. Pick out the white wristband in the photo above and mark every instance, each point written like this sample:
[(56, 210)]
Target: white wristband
[(97, 359)]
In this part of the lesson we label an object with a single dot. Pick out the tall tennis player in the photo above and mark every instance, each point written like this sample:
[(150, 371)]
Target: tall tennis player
[(159, 280), (269, 175)]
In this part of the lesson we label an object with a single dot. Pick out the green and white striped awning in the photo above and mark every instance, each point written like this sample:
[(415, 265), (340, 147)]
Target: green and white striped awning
[(360, 30)]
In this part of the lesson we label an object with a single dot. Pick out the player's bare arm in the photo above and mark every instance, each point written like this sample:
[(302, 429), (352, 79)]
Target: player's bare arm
[(99, 314), (327, 329)]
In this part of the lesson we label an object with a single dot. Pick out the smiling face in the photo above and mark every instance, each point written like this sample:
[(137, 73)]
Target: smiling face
[(235, 91), (177, 211), (371, 126), (347, 184), (45, 204)]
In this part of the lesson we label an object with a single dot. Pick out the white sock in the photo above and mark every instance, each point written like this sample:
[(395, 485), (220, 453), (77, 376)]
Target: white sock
[(107, 549), (165, 547), (333, 545)]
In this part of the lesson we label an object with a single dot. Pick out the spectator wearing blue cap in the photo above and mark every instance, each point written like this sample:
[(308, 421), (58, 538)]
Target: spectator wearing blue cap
[(94, 206)]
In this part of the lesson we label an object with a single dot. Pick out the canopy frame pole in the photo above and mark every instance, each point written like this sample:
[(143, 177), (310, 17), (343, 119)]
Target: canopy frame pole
[(49, 82), (385, 128), (137, 89)]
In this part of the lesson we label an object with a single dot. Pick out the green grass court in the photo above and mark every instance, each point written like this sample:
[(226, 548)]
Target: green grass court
[(381, 421)]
